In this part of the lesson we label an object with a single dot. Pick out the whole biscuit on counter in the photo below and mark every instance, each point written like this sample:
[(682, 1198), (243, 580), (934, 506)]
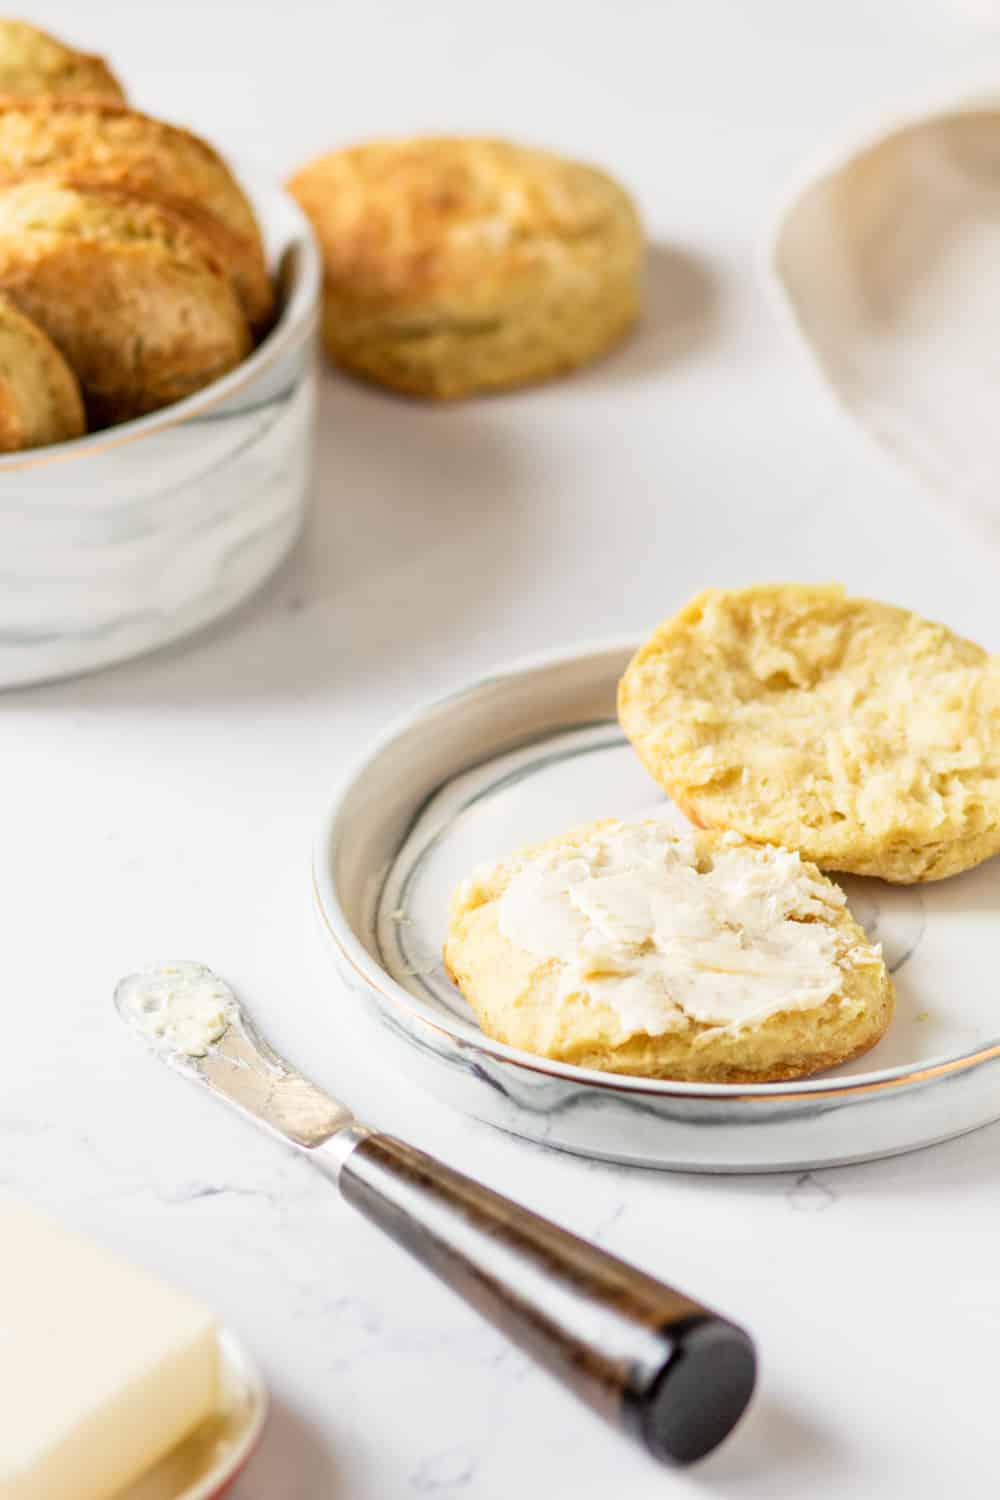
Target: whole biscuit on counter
[(133, 295), (631, 948), (857, 733), (34, 62), (461, 265), (95, 143), (39, 396)]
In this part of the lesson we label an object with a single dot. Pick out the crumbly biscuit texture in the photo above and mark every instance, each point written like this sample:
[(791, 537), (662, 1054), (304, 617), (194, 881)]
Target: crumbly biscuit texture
[(90, 143), (34, 62), (462, 265), (857, 733), (40, 399), (132, 295), (630, 948)]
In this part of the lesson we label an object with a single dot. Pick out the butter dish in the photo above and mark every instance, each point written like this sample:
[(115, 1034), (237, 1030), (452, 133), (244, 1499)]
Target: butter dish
[(886, 257), (208, 1462), (108, 1372)]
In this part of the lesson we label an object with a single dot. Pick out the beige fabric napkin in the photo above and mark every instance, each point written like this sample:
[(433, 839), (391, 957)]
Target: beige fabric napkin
[(888, 258)]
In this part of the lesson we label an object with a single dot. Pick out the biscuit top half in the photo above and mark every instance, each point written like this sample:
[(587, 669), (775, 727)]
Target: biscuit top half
[(406, 222), (854, 731), (670, 928)]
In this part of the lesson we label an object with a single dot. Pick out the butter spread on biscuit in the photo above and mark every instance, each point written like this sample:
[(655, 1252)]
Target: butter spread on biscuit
[(638, 918)]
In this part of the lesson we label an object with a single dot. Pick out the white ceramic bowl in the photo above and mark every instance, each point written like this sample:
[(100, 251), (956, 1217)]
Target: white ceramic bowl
[(124, 540)]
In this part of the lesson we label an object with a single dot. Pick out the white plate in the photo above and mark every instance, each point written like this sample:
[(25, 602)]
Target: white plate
[(521, 756), (212, 1458)]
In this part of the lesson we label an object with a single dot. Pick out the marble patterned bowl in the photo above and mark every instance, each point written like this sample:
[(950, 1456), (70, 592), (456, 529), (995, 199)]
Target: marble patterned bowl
[(127, 539), (519, 757)]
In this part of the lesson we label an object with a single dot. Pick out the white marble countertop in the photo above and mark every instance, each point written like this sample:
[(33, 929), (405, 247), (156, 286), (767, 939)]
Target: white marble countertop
[(167, 808)]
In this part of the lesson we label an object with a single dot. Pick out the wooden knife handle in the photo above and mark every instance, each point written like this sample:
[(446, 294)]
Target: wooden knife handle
[(667, 1371)]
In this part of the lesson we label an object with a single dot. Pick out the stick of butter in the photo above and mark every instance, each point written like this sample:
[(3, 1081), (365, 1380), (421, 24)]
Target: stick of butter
[(103, 1368)]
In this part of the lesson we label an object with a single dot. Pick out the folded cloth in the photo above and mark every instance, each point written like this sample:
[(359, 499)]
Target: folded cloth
[(888, 259)]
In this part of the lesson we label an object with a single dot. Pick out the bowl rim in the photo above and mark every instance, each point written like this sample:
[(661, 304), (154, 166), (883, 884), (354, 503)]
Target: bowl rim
[(423, 1017), (298, 317)]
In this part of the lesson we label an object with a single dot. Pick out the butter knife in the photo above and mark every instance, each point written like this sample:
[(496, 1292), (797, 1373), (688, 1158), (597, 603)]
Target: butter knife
[(667, 1371)]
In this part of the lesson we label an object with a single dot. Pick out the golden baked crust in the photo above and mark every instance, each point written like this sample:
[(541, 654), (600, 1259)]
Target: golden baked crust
[(93, 143), (39, 396), (455, 265), (519, 999), (34, 62), (859, 734), (131, 294)]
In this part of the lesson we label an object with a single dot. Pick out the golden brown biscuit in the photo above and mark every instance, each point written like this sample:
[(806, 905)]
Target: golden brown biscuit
[(857, 733), (33, 62), (700, 956), (131, 294), (97, 144), (39, 397), (455, 266)]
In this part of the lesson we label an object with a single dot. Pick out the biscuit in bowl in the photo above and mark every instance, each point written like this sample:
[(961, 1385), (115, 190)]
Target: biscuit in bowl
[(132, 295), (631, 948), (93, 143), (34, 62), (461, 265), (39, 396), (857, 733)]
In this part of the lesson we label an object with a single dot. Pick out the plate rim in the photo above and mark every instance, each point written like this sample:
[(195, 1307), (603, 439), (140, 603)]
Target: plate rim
[(464, 1035)]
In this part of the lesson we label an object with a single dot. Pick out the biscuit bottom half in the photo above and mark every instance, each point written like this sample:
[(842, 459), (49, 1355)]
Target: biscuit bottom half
[(447, 356), (700, 957)]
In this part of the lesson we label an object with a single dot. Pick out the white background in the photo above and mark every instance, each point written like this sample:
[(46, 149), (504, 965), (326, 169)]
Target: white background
[(167, 808)]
